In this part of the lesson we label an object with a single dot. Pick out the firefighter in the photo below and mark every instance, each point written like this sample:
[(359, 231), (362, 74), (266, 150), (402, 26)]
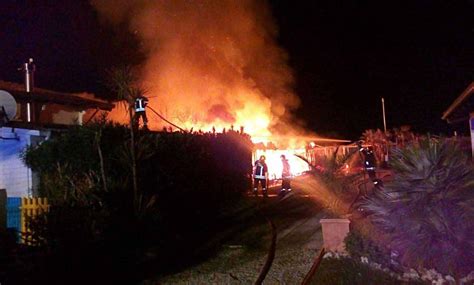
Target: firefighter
[(260, 175), (140, 111), (368, 158), (285, 176)]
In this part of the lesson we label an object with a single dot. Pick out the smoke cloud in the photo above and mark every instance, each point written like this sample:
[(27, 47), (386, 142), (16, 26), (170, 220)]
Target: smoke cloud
[(210, 62)]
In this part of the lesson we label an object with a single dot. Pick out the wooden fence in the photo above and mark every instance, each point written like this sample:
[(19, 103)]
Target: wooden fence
[(30, 208)]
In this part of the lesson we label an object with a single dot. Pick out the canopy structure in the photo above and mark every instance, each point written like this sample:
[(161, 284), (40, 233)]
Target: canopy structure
[(462, 110)]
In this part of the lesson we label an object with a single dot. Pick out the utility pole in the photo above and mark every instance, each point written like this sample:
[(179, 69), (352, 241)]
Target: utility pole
[(385, 131), (383, 112)]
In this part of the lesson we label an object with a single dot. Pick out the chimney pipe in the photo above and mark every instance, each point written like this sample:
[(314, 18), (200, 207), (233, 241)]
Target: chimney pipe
[(29, 68)]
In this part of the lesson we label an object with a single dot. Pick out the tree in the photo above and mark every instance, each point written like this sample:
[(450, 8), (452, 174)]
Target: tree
[(335, 187), (123, 83), (428, 208)]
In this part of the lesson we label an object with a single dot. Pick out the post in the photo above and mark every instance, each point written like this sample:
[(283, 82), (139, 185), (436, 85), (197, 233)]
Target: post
[(383, 112), (385, 130), (29, 69)]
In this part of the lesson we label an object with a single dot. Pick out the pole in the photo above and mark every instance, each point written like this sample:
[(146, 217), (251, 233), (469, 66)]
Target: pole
[(29, 69), (384, 121), (385, 130), (28, 90)]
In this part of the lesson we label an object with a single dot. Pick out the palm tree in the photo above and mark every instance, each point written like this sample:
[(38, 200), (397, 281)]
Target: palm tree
[(428, 208), (123, 83), (334, 186)]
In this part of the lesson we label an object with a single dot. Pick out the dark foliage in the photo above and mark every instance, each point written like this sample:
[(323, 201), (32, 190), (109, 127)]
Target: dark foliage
[(334, 186), (358, 246), (428, 208), (349, 271), (189, 186), (7, 248)]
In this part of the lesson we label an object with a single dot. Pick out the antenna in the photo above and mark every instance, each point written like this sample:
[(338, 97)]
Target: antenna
[(7, 107)]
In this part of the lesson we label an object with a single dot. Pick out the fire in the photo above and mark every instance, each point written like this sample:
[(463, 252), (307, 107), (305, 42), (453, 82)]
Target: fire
[(212, 65), (209, 64), (274, 163), (254, 118)]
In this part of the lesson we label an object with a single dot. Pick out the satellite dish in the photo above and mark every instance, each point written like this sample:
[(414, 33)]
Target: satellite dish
[(7, 105)]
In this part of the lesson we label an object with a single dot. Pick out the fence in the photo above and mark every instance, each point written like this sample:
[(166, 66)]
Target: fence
[(30, 208), (314, 155), (20, 210)]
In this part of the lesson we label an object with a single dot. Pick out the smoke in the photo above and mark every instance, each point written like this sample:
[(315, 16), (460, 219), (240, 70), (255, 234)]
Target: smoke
[(210, 62)]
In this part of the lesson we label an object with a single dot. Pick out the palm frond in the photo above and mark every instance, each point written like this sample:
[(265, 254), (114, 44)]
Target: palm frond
[(428, 207)]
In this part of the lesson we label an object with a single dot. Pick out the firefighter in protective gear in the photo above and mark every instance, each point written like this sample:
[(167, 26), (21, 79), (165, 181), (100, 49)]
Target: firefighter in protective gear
[(260, 175), (368, 158), (140, 111), (285, 176)]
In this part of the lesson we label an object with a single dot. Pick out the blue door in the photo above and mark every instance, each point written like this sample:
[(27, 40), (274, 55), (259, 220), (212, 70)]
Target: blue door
[(14, 214)]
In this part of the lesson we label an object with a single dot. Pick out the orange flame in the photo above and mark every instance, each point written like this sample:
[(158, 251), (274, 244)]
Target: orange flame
[(209, 63)]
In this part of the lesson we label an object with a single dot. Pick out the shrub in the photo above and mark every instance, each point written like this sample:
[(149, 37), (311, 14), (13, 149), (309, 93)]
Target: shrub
[(428, 208), (188, 184), (349, 271), (358, 245), (335, 188)]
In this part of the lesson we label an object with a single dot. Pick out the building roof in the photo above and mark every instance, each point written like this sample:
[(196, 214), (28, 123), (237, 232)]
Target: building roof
[(79, 100), (461, 107)]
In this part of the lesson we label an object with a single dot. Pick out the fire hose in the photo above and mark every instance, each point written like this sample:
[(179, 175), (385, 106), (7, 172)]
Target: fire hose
[(271, 254), (164, 119)]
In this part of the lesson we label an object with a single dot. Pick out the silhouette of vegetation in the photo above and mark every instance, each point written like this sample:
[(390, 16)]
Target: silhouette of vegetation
[(329, 179), (190, 185), (350, 271), (428, 210)]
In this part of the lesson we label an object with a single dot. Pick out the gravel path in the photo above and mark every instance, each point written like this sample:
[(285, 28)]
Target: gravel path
[(298, 242)]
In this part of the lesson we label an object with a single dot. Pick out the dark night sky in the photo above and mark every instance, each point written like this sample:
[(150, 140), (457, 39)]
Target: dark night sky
[(346, 55)]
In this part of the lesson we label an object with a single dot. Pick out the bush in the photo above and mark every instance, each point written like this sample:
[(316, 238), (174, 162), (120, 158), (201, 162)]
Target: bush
[(348, 271), (334, 187), (428, 209), (68, 164), (358, 245), (189, 184)]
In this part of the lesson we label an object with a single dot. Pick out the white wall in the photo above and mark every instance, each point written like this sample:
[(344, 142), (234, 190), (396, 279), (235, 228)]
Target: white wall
[(14, 175)]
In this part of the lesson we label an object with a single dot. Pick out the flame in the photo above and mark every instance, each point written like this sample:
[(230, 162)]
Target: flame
[(209, 64), (275, 165)]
